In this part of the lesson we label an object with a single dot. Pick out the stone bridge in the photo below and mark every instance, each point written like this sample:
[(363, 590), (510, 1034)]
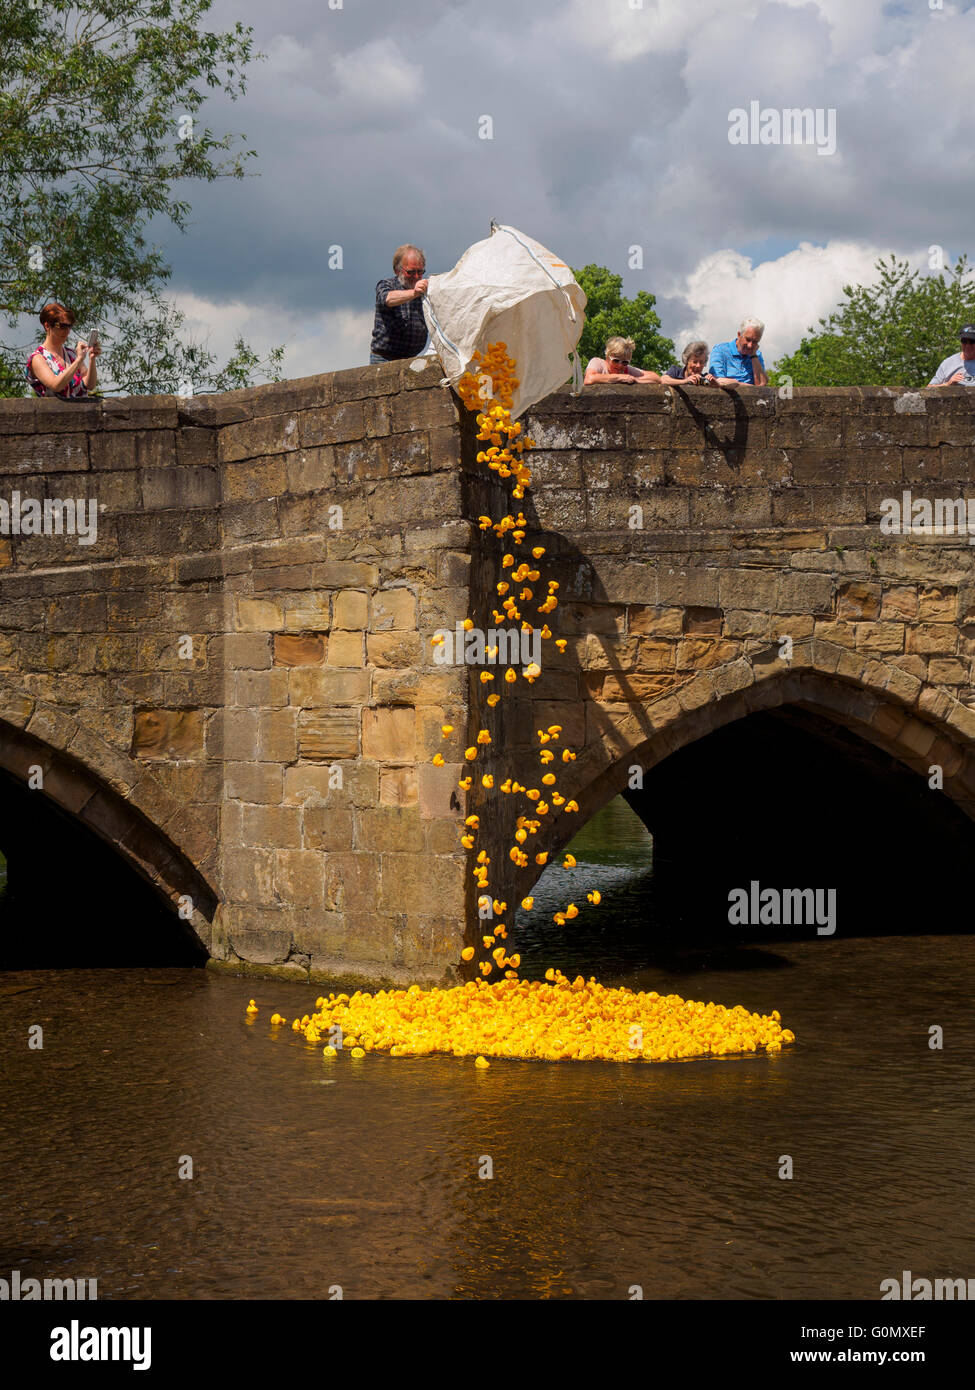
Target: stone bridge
[(233, 685)]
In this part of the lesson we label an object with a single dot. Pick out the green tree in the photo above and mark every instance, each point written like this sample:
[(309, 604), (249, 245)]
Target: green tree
[(893, 332), (99, 123), (609, 315)]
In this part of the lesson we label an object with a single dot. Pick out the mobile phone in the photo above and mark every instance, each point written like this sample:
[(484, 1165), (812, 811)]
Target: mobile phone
[(93, 338)]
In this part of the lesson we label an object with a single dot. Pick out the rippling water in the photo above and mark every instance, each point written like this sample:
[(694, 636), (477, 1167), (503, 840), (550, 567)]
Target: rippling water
[(364, 1174)]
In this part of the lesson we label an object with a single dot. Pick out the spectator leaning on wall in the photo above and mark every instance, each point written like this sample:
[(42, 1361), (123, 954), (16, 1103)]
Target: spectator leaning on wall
[(616, 367), (691, 368), (400, 329), (739, 362), (959, 369)]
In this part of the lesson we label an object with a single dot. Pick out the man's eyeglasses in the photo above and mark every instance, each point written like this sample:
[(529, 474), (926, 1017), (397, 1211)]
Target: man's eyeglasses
[(412, 272)]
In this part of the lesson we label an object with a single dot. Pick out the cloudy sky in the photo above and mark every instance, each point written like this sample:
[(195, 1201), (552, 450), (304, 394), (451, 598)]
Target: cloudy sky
[(611, 122)]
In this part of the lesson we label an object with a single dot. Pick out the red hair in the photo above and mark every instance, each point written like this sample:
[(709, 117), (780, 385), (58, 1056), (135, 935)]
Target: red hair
[(53, 312)]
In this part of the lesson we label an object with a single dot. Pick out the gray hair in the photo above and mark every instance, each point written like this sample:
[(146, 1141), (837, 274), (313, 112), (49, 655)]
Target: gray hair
[(698, 349), (400, 254), (752, 323)]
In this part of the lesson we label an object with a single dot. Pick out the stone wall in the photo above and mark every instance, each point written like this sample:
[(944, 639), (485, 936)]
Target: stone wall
[(235, 684), (759, 520)]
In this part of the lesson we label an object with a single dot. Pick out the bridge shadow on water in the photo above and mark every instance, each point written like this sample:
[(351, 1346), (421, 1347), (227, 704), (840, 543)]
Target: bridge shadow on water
[(68, 899), (786, 800)]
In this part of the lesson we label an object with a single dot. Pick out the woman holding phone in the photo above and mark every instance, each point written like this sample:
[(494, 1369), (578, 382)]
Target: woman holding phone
[(54, 369)]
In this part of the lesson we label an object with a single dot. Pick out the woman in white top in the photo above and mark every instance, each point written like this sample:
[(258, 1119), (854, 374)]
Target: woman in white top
[(53, 368)]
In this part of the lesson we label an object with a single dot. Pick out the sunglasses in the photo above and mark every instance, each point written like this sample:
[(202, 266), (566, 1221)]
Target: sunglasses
[(412, 272), (620, 361), (969, 341)]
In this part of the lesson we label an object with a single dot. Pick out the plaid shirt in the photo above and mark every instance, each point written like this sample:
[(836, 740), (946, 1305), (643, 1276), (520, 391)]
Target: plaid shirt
[(399, 331)]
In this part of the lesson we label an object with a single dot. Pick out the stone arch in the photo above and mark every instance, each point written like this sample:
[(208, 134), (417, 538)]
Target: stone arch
[(869, 696), (120, 801)]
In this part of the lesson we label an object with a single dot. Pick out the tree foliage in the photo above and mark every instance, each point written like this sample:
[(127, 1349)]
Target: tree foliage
[(893, 332), (609, 315), (99, 125)]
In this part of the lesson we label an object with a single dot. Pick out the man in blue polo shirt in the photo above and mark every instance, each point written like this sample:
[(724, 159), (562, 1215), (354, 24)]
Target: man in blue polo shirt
[(958, 370), (740, 362)]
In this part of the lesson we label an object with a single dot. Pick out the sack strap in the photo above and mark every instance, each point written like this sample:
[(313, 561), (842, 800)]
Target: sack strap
[(526, 247)]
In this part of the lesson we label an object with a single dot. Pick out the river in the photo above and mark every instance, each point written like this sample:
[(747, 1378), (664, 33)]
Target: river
[(310, 1175)]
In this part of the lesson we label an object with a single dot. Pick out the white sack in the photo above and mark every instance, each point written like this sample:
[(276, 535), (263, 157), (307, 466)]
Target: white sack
[(509, 289)]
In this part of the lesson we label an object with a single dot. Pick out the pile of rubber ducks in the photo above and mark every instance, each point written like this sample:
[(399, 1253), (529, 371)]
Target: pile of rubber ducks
[(554, 1020)]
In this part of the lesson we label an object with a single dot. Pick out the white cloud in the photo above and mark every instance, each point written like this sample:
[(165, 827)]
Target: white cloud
[(327, 341), (377, 75), (789, 294)]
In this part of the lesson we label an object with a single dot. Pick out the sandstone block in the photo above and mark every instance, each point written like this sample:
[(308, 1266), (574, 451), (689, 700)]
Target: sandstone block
[(398, 786), (350, 610), (655, 622), (857, 600), (276, 827), (394, 649), (392, 610), (168, 733), (277, 740), (315, 688), (307, 613), (260, 783), (880, 637), (256, 439), (298, 649), (328, 734), (949, 671), (389, 735), (933, 639), (327, 828), (299, 878), (248, 875), (332, 424), (899, 605), (389, 829), (346, 649), (261, 946), (937, 605), (259, 615)]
